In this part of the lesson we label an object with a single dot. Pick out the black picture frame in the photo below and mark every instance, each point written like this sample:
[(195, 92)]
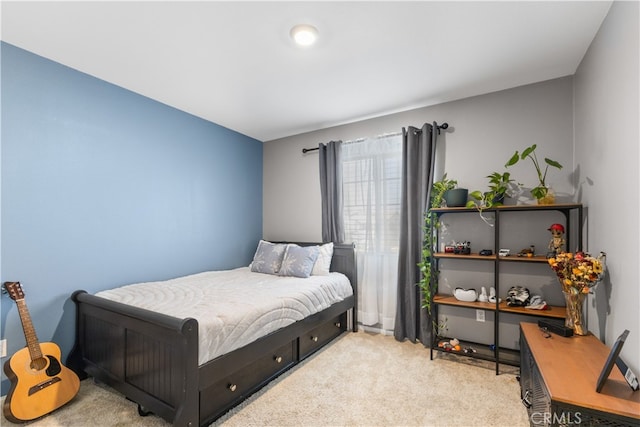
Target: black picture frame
[(611, 360)]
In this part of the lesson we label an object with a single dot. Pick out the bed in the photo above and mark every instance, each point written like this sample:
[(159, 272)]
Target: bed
[(154, 358)]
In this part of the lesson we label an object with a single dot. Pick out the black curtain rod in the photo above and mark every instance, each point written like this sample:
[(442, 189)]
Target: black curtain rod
[(445, 126)]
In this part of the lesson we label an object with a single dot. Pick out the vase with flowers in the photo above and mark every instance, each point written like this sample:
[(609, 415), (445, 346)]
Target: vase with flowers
[(577, 274)]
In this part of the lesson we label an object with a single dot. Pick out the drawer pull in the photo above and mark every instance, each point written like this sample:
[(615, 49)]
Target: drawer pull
[(278, 359), (232, 387), (314, 339), (337, 324)]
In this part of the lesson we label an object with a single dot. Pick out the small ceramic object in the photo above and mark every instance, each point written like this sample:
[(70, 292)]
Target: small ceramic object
[(492, 295), (468, 295), (483, 295)]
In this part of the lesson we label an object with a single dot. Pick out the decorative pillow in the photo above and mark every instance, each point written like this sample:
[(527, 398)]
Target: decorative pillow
[(298, 261), (268, 257), (323, 263)]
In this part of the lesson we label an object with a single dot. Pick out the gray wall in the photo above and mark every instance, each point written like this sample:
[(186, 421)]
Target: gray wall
[(484, 132), (607, 155), (598, 148)]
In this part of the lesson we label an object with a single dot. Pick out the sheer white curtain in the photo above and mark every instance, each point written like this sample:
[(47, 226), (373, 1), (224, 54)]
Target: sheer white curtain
[(372, 173)]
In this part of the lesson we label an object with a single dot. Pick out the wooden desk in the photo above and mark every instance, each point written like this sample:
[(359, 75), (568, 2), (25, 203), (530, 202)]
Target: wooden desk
[(558, 379)]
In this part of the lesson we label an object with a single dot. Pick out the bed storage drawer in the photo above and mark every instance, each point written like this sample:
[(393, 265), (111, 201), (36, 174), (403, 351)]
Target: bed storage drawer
[(236, 386), (319, 336)]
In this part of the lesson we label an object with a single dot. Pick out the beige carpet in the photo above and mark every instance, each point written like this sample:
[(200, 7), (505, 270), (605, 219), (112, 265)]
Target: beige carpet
[(359, 380)]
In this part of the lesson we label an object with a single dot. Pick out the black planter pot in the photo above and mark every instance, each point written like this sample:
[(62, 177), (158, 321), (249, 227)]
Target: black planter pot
[(498, 199), (456, 197)]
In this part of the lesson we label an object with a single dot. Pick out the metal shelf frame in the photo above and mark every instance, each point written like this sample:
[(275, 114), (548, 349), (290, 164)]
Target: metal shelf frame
[(573, 214)]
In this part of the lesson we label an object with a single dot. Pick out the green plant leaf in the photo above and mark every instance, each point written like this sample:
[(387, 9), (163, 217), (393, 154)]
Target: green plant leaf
[(553, 163), (477, 194), (513, 160), (539, 192), (494, 178), (528, 151)]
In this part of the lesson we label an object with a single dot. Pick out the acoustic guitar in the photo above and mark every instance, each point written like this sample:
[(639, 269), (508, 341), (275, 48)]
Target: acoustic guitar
[(40, 384)]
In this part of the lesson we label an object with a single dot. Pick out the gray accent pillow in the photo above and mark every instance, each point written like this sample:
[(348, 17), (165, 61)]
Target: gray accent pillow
[(298, 261), (268, 257)]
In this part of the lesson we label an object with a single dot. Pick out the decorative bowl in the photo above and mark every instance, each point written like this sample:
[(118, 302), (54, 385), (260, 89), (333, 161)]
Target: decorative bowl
[(468, 295)]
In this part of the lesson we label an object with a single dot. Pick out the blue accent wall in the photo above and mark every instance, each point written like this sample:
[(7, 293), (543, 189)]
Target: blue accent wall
[(103, 187)]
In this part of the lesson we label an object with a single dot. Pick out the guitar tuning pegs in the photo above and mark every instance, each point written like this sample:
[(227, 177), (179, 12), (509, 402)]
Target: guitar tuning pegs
[(5, 291)]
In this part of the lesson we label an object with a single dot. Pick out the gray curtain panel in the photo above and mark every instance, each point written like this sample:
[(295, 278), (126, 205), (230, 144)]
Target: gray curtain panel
[(418, 156), (331, 191)]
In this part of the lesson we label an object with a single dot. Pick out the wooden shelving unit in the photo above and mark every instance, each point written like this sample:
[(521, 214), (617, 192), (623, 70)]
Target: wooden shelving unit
[(470, 256), (573, 217), (551, 311), (510, 258)]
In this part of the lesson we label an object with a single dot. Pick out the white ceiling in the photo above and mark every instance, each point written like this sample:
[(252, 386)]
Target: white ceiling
[(233, 63)]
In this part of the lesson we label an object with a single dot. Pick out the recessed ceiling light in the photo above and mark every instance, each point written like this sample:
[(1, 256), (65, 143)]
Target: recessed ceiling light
[(304, 34)]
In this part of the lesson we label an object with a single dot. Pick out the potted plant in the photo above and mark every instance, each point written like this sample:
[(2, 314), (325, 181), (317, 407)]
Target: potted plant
[(428, 281), (498, 188), (541, 192), (447, 191), (456, 197)]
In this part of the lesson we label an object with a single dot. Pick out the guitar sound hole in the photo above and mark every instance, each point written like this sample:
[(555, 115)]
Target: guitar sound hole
[(54, 366), (38, 364)]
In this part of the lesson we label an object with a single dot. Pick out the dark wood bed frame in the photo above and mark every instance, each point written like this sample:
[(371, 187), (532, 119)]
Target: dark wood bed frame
[(152, 358)]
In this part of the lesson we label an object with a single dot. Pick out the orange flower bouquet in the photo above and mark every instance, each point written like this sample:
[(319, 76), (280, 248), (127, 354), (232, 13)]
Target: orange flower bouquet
[(577, 274)]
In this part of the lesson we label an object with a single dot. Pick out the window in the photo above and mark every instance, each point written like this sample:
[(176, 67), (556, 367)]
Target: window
[(372, 175)]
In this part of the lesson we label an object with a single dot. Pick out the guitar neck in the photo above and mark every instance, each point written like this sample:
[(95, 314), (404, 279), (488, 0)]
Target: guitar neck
[(29, 331)]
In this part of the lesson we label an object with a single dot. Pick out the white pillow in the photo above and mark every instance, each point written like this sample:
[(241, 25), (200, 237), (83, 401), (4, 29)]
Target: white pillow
[(321, 267)]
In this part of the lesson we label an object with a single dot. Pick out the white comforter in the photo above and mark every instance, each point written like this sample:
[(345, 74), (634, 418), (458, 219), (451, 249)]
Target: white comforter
[(235, 307)]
